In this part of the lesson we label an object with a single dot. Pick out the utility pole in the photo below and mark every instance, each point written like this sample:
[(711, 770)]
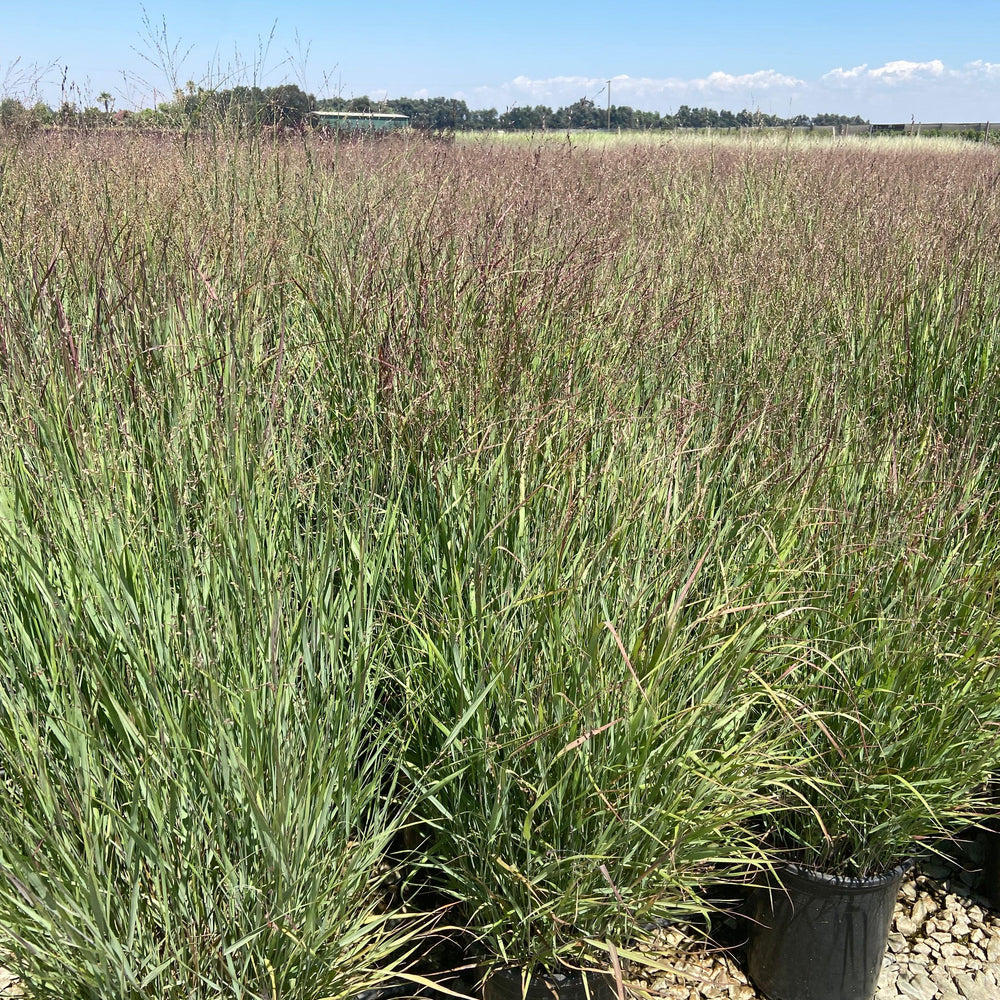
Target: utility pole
[(609, 105)]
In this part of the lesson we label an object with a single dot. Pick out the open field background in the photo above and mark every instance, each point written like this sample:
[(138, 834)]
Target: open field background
[(492, 543)]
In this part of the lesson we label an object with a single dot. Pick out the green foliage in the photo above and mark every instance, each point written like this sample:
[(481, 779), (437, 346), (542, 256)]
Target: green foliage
[(515, 536), (826, 118), (199, 765), (584, 790), (12, 113)]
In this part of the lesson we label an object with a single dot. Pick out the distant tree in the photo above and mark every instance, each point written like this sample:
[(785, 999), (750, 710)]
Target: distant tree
[(647, 119), (520, 118), (622, 116), (583, 114), (12, 113), (400, 106), (288, 105), (831, 119), (544, 115), (244, 107), (758, 119), (107, 100), (42, 114), (482, 120), (68, 113), (450, 115), (439, 114), (689, 117)]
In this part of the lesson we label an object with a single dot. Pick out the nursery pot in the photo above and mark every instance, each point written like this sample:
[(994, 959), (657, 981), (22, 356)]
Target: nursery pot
[(507, 984), (818, 937), (991, 849), (991, 867)]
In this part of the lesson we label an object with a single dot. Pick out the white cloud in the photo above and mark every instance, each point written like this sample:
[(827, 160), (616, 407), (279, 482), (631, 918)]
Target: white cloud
[(898, 90), (846, 74), (765, 79), (627, 89), (905, 71), (982, 68), (902, 70)]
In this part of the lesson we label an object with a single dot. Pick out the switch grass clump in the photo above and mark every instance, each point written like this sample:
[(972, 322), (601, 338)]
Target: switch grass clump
[(493, 543)]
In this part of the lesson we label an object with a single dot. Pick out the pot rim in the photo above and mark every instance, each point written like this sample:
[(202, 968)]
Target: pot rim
[(846, 883)]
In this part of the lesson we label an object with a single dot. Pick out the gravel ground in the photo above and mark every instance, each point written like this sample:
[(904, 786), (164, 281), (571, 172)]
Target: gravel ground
[(944, 944)]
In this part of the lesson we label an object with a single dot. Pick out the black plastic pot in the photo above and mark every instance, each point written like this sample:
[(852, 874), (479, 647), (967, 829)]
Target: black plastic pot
[(989, 838), (991, 867), (507, 984), (817, 937)]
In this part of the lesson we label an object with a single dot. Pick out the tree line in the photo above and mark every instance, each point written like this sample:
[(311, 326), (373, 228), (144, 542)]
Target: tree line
[(193, 106), (450, 114), (288, 105)]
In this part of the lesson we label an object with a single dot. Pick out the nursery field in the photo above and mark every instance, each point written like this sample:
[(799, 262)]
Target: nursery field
[(415, 554)]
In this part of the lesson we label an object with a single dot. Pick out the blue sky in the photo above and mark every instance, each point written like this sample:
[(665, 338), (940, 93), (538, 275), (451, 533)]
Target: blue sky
[(885, 61)]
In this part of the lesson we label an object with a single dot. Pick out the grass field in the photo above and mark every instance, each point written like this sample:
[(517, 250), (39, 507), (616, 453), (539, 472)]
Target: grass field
[(499, 543)]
